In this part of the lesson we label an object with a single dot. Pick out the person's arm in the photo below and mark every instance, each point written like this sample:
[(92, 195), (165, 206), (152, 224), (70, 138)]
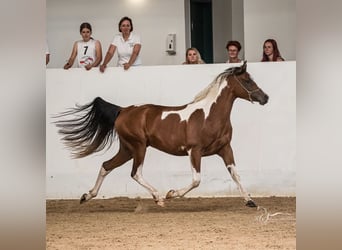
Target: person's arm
[(108, 57), (135, 53), (71, 60), (98, 52)]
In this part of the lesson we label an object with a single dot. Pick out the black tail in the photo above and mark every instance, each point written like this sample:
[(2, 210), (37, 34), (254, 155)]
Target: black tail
[(91, 130)]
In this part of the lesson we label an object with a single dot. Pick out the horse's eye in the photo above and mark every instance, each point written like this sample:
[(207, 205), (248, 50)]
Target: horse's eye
[(246, 79)]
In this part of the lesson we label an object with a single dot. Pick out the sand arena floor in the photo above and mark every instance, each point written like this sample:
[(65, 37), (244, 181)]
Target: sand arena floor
[(185, 223)]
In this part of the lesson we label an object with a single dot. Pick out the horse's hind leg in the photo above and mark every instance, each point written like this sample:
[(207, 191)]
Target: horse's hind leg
[(120, 158), (227, 155)]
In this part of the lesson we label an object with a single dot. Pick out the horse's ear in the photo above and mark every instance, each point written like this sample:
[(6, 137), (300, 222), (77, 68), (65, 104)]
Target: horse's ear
[(244, 66)]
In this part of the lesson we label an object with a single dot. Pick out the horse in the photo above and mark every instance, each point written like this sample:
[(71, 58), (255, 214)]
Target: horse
[(197, 129)]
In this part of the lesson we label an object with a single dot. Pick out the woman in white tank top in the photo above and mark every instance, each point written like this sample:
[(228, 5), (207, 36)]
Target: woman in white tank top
[(88, 51)]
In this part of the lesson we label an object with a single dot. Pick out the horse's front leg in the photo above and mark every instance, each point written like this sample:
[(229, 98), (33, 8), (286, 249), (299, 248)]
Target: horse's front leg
[(195, 158), (227, 155)]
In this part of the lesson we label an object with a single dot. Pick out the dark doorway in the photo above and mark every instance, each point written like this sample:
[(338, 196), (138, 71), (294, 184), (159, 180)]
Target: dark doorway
[(201, 28)]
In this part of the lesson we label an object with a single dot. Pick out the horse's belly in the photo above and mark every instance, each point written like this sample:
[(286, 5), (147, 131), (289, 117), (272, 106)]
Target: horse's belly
[(179, 150)]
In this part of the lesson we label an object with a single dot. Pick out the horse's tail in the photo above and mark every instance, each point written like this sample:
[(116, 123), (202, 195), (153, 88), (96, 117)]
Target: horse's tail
[(91, 130)]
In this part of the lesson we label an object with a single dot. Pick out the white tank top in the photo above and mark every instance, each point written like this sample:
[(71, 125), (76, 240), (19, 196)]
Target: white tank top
[(86, 53)]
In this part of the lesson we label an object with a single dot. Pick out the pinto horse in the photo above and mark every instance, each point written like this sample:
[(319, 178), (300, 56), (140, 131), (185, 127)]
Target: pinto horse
[(199, 128)]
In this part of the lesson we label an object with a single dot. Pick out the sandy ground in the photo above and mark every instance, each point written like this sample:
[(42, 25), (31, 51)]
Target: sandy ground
[(185, 223)]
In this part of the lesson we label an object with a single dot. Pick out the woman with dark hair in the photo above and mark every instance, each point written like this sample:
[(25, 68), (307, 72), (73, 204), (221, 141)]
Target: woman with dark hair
[(233, 49), (128, 45), (271, 51), (87, 50)]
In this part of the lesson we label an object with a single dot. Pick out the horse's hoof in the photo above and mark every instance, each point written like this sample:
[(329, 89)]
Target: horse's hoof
[(83, 198), (160, 203), (251, 203), (170, 194)]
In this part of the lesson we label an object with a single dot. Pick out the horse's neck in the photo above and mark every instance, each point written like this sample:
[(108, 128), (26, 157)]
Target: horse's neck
[(222, 108), (215, 101)]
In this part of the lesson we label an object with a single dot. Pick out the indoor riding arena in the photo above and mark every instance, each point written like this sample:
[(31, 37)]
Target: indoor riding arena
[(219, 171), (213, 215), (206, 208)]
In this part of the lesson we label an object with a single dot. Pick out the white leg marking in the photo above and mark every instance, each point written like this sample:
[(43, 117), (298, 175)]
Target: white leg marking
[(196, 179), (236, 178), (154, 192), (93, 192)]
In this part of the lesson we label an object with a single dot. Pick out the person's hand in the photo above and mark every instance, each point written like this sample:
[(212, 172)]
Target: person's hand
[(102, 68), (67, 66), (88, 66), (126, 66)]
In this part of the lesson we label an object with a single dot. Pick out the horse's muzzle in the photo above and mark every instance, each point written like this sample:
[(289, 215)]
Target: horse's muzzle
[(260, 97), (264, 101)]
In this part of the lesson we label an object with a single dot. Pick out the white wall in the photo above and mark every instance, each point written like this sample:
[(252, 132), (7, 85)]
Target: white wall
[(270, 19), (263, 136), (222, 28), (152, 19), (238, 32)]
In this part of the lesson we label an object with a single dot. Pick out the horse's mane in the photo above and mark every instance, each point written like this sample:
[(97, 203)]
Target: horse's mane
[(215, 84)]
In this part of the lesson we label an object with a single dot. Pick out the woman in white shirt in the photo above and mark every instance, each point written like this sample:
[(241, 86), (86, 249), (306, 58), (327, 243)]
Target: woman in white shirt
[(87, 50), (127, 44)]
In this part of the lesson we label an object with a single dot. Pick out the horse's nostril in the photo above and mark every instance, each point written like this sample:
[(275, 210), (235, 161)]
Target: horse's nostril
[(265, 100)]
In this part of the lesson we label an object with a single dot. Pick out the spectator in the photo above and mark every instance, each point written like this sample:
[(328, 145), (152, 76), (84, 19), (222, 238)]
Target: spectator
[(192, 56), (128, 45), (87, 50), (271, 51), (233, 48), (47, 54)]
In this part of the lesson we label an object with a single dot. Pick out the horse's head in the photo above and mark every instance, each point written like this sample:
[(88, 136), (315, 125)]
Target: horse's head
[(245, 87)]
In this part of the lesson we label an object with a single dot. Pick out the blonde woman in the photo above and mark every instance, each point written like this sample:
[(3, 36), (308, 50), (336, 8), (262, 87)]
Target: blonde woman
[(192, 56)]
